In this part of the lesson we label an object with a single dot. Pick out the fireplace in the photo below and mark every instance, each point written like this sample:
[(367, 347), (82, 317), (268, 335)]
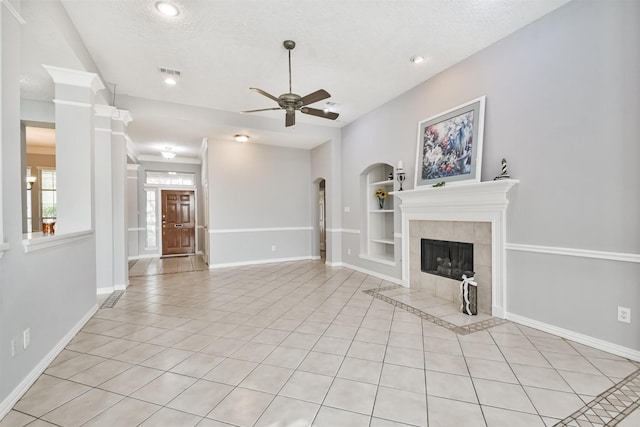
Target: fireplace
[(445, 258), (474, 212)]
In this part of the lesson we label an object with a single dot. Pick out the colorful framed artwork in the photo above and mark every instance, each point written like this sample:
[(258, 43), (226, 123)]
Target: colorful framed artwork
[(450, 145)]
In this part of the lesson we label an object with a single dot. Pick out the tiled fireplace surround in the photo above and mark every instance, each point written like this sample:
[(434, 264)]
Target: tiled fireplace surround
[(478, 233), (473, 212)]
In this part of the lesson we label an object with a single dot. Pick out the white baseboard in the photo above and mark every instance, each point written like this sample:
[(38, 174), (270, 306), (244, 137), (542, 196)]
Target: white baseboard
[(609, 347), (121, 287), (104, 291), (21, 389), (136, 257), (259, 261), (371, 273)]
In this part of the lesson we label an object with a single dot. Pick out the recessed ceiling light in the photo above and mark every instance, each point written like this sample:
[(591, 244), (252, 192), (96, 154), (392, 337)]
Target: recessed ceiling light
[(170, 81), (417, 59), (167, 8), (241, 138)]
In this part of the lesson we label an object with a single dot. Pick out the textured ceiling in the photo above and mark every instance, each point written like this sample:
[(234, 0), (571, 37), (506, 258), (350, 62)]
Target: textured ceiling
[(357, 50)]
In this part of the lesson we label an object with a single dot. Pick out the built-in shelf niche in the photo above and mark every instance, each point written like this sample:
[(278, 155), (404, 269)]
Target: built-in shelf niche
[(379, 242)]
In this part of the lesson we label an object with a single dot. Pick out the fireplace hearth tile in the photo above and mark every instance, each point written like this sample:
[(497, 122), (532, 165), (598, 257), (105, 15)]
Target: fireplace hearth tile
[(480, 323)]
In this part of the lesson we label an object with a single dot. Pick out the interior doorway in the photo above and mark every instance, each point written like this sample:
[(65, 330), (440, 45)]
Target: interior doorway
[(322, 220), (178, 222)]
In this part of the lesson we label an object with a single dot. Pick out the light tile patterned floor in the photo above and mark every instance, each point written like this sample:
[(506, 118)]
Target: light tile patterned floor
[(297, 344)]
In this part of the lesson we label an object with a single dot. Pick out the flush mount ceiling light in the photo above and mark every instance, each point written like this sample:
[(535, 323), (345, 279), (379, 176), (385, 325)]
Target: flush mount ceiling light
[(168, 153), (417, 59), (170, 76), (241, 138), (167, 8)]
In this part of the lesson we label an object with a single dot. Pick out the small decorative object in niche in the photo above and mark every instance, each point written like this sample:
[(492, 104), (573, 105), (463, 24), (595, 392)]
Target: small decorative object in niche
[(504, 174), (400, 175), (48, 226), (381, 194), (390, 176), (450, 145), (439, 184), (469, 295)]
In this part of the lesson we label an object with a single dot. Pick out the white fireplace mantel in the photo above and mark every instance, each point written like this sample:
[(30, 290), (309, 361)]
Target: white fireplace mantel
[(475, 201)]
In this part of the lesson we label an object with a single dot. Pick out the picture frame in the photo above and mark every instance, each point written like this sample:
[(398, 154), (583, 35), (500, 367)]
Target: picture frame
[(450, 145)]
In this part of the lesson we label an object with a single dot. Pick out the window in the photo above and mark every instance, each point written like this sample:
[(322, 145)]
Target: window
[(28, 205), (170, 178), (48, 193), (152, 228)]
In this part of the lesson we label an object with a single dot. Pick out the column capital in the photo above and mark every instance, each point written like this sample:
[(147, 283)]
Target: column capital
[(68, 77), (113, 113)]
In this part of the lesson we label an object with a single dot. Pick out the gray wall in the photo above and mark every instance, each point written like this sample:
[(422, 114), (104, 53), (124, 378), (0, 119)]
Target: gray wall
[(48, 291), (259, 196), (562, 107)]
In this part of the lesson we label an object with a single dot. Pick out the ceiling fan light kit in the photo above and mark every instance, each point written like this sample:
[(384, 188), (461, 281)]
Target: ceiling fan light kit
[(291, 102), (241, 138)]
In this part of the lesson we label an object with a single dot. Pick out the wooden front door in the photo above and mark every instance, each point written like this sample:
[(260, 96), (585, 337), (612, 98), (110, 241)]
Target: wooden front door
[(178, 222)]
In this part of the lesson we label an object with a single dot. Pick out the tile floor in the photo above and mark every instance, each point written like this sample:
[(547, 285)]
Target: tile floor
[(298, 344), (166, 265)]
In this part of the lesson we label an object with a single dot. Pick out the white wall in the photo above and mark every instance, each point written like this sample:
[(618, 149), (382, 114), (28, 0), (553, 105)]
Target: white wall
[(259, 197), (562, 107)]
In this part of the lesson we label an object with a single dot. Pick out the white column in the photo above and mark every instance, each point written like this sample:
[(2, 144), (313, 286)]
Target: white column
[(119, 208), (104, 200), (10, 164), (75, 138), (135, 222)]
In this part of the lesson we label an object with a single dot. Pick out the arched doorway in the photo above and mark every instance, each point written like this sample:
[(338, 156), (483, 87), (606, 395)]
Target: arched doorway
[(322, 222)]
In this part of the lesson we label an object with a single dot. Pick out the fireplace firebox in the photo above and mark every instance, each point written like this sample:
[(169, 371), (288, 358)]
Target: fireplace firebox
[(447, 259)]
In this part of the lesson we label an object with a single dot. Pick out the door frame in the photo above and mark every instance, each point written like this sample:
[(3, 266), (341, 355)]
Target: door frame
[(158, 189)]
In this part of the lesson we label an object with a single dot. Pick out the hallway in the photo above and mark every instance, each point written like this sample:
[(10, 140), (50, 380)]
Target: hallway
[(166, 265), (298, 344)]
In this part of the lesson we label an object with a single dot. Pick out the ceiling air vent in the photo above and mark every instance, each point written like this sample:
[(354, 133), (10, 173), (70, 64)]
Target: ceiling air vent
[(170, 71)]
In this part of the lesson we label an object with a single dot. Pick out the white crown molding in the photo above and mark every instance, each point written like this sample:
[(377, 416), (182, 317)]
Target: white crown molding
[(77, 78), (133, 167), (105, 110), (257, 230), (72, 103), (581, 253), (587, 340), (20, 20)]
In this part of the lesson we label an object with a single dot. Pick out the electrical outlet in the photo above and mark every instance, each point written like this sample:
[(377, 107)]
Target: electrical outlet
[(273, 248), (13, 348), (347, 208), (348, 251), (26, 338), (624, 314)]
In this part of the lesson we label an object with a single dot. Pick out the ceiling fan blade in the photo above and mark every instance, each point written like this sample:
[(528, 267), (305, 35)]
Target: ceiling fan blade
[(316, 96), (320, 113), (262, 109), (290, 118), (261, 92)]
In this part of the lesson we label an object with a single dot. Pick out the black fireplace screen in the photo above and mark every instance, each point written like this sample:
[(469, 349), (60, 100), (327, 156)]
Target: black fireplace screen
[(447, 259)]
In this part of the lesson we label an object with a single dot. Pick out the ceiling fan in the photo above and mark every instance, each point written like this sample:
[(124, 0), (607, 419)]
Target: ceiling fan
[(290, 102)]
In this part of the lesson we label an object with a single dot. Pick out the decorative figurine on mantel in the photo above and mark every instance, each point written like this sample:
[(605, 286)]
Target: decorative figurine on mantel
[(504, 174), (400, 176)]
